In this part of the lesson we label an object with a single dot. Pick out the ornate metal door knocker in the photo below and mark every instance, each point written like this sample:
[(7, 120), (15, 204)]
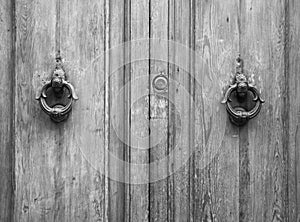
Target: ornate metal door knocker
[(242, 99), (57, 95)]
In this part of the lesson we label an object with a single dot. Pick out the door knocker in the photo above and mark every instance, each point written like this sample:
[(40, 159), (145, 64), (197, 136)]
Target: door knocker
[(160, 83), (242, 99), (57, 95)]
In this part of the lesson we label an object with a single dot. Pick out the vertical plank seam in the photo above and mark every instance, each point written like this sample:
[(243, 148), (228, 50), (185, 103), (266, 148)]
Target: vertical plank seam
[(170, 201), (149, 112), (61, 132), (127, 95), (173, 120), (191, 112), (239, 21), (57, 28), (174, 70), (171, 181), (169, 178), (286, 114), (12, 108), (106, 105), (168, 113), (241, 172)]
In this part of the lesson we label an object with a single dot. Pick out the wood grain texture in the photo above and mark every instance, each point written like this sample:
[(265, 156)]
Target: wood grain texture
[(7, 36), (180, 124), (215, 174), (158, 112), (139, 112), (292, 68), (265, 140), (83, 38), (57, 178), (117, 144), (127, 108), (37, 141)]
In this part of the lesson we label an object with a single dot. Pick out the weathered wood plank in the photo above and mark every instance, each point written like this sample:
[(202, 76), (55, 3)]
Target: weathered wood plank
[(264, 141), (83, 38), (139, 102), (292, 70), (55, 179), (7, 35), (37, 141), (158, 112), (180, 107), (127, 107), (117, 192), (214, 178)]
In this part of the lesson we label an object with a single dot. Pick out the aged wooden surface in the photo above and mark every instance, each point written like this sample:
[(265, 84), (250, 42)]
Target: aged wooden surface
[(6, 112), (95, 166), (158, 113), (81, 43), (117, 190), (265, 149), (215, 178), (139, 108), (57, 169), (180, 30), (38, 144), (292, 68)]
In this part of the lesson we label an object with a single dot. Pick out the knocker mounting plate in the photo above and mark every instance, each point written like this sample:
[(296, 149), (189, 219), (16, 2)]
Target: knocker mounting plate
[(160, 83), (242, 99), (57, 87)]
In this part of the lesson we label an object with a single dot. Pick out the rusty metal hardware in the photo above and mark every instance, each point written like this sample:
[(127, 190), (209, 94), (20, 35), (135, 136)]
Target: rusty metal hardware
[(59, 86), (243, 101)]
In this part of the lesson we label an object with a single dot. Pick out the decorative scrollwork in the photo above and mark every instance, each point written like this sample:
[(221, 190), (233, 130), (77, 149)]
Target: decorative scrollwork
[(239, 115), (58, 83)]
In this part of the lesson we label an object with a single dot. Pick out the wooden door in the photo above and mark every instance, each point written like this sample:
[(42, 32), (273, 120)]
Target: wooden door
[(148, 139)]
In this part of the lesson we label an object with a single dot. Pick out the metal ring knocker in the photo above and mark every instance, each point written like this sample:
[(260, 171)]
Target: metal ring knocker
[(240, 115), (160, 83), (58, 83)]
